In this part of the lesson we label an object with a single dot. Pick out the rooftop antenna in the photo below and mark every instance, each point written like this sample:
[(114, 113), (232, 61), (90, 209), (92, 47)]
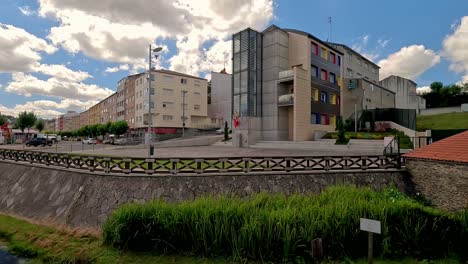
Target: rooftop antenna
[(225, 55), (330, 22)]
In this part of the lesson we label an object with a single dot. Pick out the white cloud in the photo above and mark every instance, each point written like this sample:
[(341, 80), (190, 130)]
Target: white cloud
[(383, 42), (46, 108), (120, 31), (423, 89), (455, 48), (409, 62), (20, 50), (62, 73), (27, 85), (26, 10), (122, 67)]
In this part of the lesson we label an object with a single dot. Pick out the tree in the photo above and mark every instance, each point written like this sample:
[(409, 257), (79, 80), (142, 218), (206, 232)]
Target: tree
[(436, 87), (3, 120), (341, 132), (26, 120), (40, 125), (118, 128), (101, 129)]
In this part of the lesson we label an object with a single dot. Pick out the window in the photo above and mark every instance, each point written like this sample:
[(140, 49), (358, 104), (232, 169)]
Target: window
[(339, 60), (167, 117), (168, 78), (332, 57), (359, 75), (315, 48), (196, 93), (323, 97), (315, 118), (324, 75), (196, 107), (333, 99), (349, 72), (183, 81), (324, 53), (324, 120), (332, 77), (315, 94), (213, 121), (333, 120), (314, 71), (359, 61)]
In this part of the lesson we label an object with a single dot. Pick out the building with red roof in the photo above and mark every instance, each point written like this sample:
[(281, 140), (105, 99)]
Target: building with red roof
[(440, 171)]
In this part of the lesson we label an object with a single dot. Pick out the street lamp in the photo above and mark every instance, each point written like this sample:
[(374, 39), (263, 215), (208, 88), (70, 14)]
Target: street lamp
[(150, 119)]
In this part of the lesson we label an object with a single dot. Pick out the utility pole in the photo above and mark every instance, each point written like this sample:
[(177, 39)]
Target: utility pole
[(183, 112), (150, 119)]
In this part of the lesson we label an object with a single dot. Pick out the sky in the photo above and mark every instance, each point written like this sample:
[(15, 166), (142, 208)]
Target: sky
[(60, 55)]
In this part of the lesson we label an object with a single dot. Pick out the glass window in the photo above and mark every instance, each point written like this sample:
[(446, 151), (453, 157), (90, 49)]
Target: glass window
[(196, 107), (315, 49), (314, 71), (332, 57), (243, 81), (183, 81), (349, 72), (243, 61), (332, 77), (315, 118), (237, 43), (243, 105), (324, 75), (323, 97), (236, 62), (236, 83), (167, 117), (324, 119)]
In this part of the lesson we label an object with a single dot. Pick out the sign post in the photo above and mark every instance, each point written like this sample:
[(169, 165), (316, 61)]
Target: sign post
[(371, 226)]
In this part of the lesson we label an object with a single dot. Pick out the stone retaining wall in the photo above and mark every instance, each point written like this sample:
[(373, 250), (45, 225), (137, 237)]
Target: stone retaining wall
[(444, 183), (80, 199)]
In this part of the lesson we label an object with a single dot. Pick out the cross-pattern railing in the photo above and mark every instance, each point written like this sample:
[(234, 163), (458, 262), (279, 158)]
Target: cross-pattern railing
[(203, 165)]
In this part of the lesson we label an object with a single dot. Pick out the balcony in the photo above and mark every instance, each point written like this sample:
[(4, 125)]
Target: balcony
[(286, 76), (286, 100)]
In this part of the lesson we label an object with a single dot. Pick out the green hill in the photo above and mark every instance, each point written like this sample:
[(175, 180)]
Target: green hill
[(442, 121)]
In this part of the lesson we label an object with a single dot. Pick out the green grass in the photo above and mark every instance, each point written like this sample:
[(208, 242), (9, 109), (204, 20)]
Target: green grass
[(43, 244), (50, 245), (279, 228), (442, 121)]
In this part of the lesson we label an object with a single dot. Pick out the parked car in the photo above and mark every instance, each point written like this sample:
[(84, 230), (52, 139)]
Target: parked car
[(38, 142), (109, 141), (89, 141), (220, 131), (120, 141)]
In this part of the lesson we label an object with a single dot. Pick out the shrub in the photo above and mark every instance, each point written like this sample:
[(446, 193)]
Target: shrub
[(279, 228)]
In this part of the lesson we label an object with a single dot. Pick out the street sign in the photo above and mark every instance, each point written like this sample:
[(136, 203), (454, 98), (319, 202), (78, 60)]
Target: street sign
[(368, 225)]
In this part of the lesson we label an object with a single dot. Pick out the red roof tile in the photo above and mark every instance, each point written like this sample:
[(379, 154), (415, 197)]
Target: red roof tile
[(454, 148)]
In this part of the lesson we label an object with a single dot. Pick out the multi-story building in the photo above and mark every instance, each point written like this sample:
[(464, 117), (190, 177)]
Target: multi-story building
[(220, 95), (286, 85), (361, 94), (49, 124), (175, 98), (405, 93), (94, 116), (356, 65), (84, 118), (68, 122), (126, 99), (107, 109)]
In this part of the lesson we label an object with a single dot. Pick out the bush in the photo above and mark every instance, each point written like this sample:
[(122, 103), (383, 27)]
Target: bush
[(280, 228)]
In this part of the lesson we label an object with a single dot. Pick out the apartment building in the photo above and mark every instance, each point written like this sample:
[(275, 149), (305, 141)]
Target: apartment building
[(175, 98), (285, 85), (108, 109), (357, 66), (84, 118), (68, 122), (405, 93), (220, 95), (94, 115), (49, 124), (361, 94), (125, 106)]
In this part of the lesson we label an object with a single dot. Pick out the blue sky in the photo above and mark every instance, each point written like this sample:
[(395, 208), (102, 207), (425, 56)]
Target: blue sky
[(60, 55)]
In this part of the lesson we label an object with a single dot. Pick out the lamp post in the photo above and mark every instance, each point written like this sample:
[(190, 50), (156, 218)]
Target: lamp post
[(150, 119), (184, 92)]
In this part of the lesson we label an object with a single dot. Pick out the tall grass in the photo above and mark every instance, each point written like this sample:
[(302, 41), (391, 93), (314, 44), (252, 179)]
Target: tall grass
[(280, 228)]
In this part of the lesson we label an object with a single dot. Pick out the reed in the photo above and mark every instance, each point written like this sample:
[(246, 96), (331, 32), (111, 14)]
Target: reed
[(280, 228)]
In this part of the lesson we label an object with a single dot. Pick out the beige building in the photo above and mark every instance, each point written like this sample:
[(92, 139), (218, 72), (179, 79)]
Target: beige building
[(405, 93), (174, 97), (107, 109), (49, 124), (69, 121), (84, 118), (362, 94)]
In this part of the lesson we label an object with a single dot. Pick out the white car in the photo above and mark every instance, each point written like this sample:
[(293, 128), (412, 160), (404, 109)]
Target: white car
[(89, 141), (220, 131)]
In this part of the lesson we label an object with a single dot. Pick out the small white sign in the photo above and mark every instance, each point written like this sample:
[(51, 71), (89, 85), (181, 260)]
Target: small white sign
[(368, 225)]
